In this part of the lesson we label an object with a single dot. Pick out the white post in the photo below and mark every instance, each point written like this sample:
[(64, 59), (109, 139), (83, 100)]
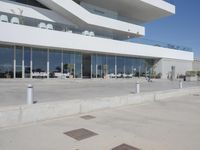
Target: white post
[(180, 84), (29, 99), (137, 87)]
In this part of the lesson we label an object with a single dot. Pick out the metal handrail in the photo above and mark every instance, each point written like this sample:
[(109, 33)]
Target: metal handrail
[(161, 44)]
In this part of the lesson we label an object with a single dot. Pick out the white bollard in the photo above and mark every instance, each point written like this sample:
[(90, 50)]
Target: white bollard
[(29, 98), (137, 87), (180, 84)]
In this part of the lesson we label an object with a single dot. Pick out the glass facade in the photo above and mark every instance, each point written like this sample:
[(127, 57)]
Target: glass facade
[(68, 63), (39, 60), (111, 64), (18, 58), (28, 62), (55, 62), (120, 66), (6, 61), (78, 65)]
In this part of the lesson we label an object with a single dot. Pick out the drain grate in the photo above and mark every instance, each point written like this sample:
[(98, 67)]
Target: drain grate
[(125, 147), (88, 117), (80, 134)]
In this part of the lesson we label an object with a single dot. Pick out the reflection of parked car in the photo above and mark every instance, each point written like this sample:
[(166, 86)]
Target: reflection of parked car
[(125, 75), (62, 75), (39, 75), (130, 76), (111, 75), (119, 75)]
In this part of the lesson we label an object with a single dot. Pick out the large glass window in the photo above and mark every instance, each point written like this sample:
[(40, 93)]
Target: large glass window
[(78, 65), (39, 59), (27, 62), (120, 66), (6, 61), (102, 68), (111, 64), (18, 58), (68, 63), (143, 68), (55, 59), (128, 66), (136, 67), (94, 66)]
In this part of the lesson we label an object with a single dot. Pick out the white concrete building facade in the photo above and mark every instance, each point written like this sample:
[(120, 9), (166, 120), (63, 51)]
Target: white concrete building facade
[(85, 39)]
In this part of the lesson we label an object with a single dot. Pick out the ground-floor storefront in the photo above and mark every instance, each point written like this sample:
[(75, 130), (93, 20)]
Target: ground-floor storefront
[(33, 62)]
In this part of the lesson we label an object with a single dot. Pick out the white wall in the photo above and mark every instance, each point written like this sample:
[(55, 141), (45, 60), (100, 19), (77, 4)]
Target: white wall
[(196, 65), (20, 34), (164, 66)]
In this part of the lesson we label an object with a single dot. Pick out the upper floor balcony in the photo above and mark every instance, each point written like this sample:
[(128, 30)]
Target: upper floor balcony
[(42, 24)]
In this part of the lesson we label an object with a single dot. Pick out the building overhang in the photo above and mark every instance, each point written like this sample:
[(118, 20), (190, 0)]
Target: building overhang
[(25, 35), (141, 10)]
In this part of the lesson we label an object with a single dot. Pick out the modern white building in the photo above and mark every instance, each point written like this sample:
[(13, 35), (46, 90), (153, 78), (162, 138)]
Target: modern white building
[(85, 39)]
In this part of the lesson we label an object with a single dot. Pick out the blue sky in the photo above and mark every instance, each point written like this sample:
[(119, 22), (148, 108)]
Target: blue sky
[(180, 29)]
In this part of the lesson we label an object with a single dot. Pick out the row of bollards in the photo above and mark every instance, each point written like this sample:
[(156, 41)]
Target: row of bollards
[(138, 86), (30, 100)]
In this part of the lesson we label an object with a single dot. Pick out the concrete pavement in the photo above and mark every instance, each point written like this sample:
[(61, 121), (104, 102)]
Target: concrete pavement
[(172, 124)]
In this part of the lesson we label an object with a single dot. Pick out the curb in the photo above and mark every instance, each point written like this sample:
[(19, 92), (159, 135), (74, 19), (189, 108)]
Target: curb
[(22, 114)]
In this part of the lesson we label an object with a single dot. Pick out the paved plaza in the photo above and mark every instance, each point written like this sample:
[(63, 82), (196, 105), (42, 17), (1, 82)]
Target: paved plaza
[(13, 92), (172, 124)]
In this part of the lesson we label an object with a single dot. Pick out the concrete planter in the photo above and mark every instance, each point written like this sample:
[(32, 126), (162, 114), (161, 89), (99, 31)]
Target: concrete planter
[(191, 78)]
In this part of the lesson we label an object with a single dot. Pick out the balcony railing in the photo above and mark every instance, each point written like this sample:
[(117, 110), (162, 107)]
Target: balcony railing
[(160, 44), (21, 20)]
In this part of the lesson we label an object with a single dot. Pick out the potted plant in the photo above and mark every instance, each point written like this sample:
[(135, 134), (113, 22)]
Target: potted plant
[(191, 76)]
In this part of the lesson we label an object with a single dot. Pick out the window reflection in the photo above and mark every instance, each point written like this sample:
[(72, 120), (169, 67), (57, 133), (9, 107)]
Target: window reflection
[(55, 59), (27, 62), (111, 66), (78, 65), (94, 66), (18, 57), (120, 67), (102, 68), (39, 59), (6, 61), (68, 64)]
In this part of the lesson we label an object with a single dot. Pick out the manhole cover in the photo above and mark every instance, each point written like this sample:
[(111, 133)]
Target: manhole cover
[(88, 117), (80, 134), (125, 147)]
